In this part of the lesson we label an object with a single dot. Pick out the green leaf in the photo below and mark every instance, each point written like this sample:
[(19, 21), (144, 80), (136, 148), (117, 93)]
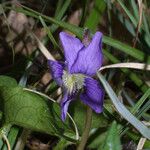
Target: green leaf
[(96, 140), (95, 15), (7, 81), (112, 141), (62, 144), (123, 110), (31, 111), (78, 111)]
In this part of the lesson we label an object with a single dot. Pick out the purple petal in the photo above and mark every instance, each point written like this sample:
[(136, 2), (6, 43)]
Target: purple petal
[(64, 105), (89, 59), (93, 95), (71, 46), (56, 69)]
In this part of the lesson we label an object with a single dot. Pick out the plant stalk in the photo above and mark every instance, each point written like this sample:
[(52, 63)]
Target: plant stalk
[(87, 128)]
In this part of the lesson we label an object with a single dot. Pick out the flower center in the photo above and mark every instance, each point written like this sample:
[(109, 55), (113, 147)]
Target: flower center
[(73, 82)]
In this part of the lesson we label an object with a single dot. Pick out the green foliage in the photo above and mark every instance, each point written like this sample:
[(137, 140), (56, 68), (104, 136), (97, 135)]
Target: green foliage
[(98, 120), (12, 137), (29, 110), (123, 110), (112, 141), (134, 77), (7, 81), (95, 15), (97, 139)]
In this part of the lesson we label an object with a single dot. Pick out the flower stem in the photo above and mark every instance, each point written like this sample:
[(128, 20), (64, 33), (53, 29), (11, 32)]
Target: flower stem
[(87, 128)]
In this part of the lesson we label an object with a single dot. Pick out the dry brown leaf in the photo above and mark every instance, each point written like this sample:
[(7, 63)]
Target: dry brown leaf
[(17, 21), (46, 78)]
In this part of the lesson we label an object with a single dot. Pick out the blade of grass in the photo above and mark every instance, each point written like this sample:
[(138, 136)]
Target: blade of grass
[(140, 101), (59, 6), (135, 109), (60, 11), (112, 141), (146, 25), (49, 33), (123, 110), (141, 143), (125, 22), (131, 75), (145, 108), (28, 11), (133, 20), (22, 140), (4, 130), (85, 4), (5, 139), (147, 30), (135, 9), (137, 54), (109, 14), (12, 137), (132, 65), (43, 49), (125, 48), (95, 15), (128, 98)]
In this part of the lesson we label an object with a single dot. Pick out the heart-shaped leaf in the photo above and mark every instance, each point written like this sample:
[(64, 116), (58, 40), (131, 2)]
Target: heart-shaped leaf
[(29, 110), (7, 81)]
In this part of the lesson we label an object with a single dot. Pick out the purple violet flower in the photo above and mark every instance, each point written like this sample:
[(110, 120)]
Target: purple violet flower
[(82, 62)]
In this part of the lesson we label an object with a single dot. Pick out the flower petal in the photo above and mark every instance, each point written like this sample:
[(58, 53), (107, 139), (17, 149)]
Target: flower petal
[(64, 105), (89, 59), (71, 46), (93, 95), (56, 69)]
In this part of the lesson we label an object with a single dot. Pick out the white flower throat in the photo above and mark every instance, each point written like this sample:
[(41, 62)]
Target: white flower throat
[(73, 82)]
